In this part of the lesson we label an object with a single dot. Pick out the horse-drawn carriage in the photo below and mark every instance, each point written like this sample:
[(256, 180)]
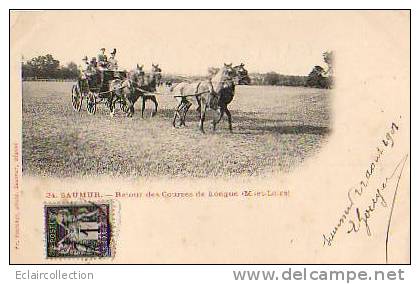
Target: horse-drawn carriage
[(95, 89), (214, 93)]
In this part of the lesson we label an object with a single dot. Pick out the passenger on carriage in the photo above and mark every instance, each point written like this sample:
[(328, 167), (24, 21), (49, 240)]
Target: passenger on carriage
[(88, 70), (84, 68), (93, 63), (112, 62)]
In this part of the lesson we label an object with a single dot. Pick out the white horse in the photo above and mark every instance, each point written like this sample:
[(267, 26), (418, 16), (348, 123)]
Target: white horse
[(215, 93)]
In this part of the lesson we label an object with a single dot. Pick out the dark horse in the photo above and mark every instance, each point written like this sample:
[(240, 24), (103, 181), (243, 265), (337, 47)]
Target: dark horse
[(124, 90), (136, 85), (147, 84), (215, 93)]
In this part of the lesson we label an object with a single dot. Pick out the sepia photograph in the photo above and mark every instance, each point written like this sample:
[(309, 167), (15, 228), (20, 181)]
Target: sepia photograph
[(179, 102)]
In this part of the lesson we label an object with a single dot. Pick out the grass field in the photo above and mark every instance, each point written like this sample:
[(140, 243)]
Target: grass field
[(274, 129)]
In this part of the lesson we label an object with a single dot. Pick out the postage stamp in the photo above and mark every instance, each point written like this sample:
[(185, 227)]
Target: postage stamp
[(78, 230)]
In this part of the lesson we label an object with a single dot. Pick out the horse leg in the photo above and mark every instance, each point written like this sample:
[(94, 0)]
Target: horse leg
[(112, 105), (221, 111), (229, 116), (130, 107), (143, 105), (184, 114), (202, 117), (153, 98), (199, 104), (180, 112), (109, 104), (177, 113)]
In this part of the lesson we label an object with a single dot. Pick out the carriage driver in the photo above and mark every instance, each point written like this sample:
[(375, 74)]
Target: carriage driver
[(102, 64), (102, 60)]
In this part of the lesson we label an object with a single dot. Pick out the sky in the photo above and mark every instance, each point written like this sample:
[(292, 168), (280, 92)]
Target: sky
[(182, 42)]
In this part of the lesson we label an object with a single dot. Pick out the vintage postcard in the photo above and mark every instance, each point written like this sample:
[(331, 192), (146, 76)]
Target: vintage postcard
[(210, 137)]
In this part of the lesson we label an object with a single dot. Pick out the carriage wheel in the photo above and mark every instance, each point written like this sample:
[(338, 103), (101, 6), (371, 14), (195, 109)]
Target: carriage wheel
[(76, 97), (91, 103)]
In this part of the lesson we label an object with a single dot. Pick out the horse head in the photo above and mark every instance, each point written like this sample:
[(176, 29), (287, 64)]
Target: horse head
[(137, 75), (223, 79), (229, 71), (156, 68), (139, 70), (156, 74), (242, 75)]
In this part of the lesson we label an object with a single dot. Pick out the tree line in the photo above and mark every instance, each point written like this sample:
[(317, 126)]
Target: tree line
[(276, 79), (46, 67), (318, 77)]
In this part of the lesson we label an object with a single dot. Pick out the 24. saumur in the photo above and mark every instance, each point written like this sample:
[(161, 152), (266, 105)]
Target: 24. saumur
[(76, 194)]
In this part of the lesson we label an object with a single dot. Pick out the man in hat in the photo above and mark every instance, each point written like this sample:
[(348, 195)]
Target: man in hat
[(88, 69), (84, 72), (112, 62), (102, 60), (84, 67), (93, 63), (92, 71), (102, 65)]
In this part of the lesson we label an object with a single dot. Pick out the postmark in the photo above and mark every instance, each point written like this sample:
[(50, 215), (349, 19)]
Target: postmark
[(78, 230)]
